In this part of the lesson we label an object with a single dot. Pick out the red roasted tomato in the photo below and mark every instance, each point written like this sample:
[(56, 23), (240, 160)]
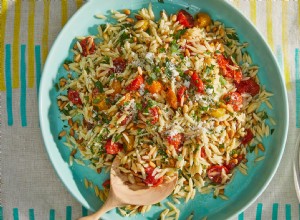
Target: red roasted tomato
[(88, 46), (150, 178), (226, 71), (135, 84), (248, 137), (112, 148), (186, 19), (176, 140), (74, 97), (197, 82), (214, 173), (248, 86), (154, 113), (235, 99), (119, 65)]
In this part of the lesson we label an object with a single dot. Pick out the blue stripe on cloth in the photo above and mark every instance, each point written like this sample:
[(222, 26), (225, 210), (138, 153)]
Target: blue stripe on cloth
[(275, 211), (38, 66), (259, 211), (297, 72), (52, 214), (16, 214), (241, 216), (23, 87), (8, 85), (279, 57), (69, 213), (31, 214), (1, 213), (84, 211), (288, 211)]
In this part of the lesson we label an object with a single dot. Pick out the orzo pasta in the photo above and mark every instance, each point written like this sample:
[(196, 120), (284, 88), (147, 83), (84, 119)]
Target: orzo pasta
[(174, 95)]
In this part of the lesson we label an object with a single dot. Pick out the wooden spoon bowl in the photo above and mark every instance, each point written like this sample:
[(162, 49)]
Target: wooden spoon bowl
[(122, 194)]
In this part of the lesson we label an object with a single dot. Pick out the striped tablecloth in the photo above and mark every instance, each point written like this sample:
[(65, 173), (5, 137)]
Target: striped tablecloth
[(29, 187)]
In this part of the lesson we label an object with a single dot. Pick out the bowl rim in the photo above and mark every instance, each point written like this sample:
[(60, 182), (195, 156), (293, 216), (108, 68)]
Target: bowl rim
[(45, 130)]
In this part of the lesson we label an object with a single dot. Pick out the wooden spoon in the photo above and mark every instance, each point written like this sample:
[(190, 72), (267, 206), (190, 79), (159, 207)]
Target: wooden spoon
[(122, 194)]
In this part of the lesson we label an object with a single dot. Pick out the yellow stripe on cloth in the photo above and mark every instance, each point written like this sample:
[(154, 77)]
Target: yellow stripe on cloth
[(269, 24), (79, 3), (16, 46), (237, 3), (2, 38), (30, 55), (299, 13), (285, 44), (64, 12), (45, 30), (253, 11)]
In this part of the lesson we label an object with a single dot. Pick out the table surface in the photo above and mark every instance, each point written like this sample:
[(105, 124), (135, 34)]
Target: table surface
[(29, 187)]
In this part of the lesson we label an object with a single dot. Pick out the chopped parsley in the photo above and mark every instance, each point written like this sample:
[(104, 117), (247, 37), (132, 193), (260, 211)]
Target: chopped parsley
[(99, 86)]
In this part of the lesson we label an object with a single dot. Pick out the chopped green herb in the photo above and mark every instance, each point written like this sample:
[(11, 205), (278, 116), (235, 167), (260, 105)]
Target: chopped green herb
[(233, 36), (264, 115), (222, 80), (272, 131), (86, 98), (124, 36), (103, 26), (179, 33), (161, 50), (106, 59), (149, 80), (99, 86), (96, 101), (139, 106), (251, 148)]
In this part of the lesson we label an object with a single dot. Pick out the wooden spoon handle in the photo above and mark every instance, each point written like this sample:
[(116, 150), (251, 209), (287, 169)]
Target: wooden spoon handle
[(109, 204)]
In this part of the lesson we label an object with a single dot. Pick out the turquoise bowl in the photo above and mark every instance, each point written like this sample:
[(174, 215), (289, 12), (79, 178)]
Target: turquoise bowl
[(242, 190)]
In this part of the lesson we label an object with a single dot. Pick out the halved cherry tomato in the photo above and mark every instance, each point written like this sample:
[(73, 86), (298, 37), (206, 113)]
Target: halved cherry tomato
[(119, 65), (112, 148), (197, 82), (248, 137), (186, 19), (180, 93), (135, 84), (106, 183), (235, 99), (226, 71), (214, 173), (150, 178), (88, 46), (232, 164), (74, 97), (176, 140), (154, 112), (248, 86)]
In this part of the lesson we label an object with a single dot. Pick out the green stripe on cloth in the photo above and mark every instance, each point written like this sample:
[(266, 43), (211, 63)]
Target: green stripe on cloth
[(241, 216), (275, 211), (16, 213), (8, 84), (38, 67), (288, 212), (69, 213), (84, 211), (259, 211), (1, 212), (31, 214), (23, 87), (52, 214)]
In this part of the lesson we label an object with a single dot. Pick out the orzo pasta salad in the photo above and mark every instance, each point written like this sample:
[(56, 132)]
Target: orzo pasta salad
[(174, 94)]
